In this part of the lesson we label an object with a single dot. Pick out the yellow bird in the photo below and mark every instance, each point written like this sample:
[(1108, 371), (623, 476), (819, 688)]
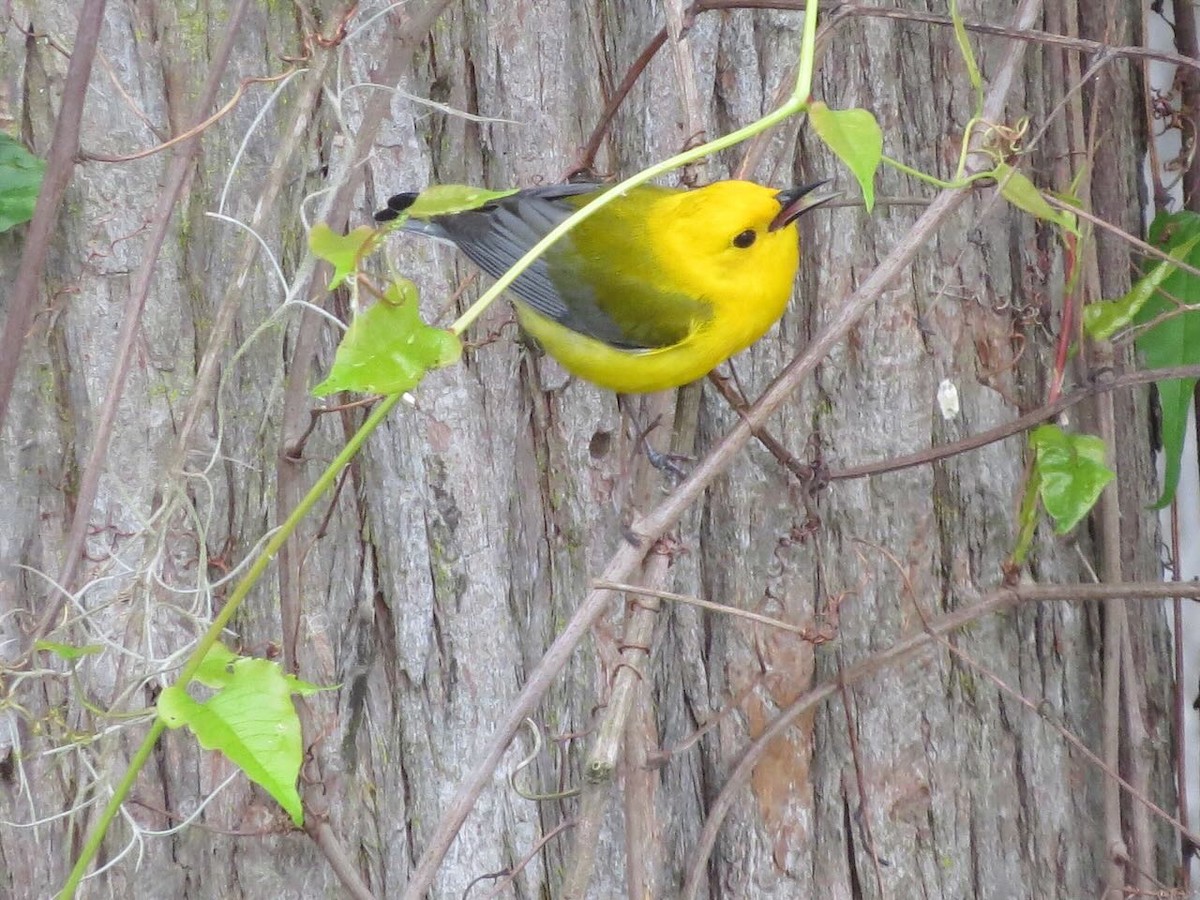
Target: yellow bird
[(654, 290)]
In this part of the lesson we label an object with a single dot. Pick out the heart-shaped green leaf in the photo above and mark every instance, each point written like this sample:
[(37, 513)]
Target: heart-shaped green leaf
[(251, 719), (855, 137), (388, 349), (1071, 473)]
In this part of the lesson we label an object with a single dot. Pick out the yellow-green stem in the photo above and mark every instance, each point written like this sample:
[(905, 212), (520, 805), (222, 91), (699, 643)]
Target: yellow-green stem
[(937, 182), (323, 483), (797, 102)]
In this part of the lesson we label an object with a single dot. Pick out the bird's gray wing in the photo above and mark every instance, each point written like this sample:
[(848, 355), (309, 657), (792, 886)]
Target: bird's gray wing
[(562, 283)]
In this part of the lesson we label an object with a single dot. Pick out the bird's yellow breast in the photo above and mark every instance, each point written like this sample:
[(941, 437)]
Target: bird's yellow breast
[(626, 371)]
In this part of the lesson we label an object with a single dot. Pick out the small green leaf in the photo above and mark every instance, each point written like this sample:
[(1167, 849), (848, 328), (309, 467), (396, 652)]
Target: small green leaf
[(1071, 473), (1104, 318), (446, 199), (251, 719), (388, 349), (855, 137), (20, 180), (344, 251), (68, 652), (964, 47), (1174, 340), (1018, 190)]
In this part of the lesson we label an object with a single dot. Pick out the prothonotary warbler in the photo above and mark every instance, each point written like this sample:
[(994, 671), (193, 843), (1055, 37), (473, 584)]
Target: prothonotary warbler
[(654, 290)]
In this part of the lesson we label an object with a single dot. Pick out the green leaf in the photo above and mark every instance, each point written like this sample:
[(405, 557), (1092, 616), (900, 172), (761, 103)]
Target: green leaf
[(344, 251), (388, 349), (216, 669), (20, 180), (69, 652), (446, 199), (964, 47), (855, 137), (1017, 189), (1104, 318), (1071, 473), (251, 719), (1174, 341)]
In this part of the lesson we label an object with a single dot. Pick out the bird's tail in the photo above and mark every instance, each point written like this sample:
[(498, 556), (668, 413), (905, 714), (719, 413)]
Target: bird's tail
[(397, 205)]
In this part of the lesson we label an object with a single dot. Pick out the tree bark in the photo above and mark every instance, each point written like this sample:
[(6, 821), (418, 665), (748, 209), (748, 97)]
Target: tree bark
[(470, 528)]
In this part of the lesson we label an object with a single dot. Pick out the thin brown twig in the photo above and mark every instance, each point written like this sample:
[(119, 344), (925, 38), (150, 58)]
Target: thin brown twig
[(906, 650), (1074, 741), (587, 156), (644, 852), (296, 404), (1178, 308), (678, 24), (333, 851), (195, 129), (733, 396), (516, 870), (288, 476), (603, 758), (60, 165), (1016, 426), (1030, 35), (656, 523), (177, 175), (686, 743), (1106, 516), (628, 688), (1145, 248), (696, 601), (115, 81), (900, 652), (1187, 78)]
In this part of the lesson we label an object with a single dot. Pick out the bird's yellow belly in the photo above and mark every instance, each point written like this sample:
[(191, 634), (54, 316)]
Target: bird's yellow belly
[(642, 371)]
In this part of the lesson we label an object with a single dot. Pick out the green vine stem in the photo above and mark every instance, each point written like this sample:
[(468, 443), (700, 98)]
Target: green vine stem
[(937, 182), (797, 102), (323, 483)]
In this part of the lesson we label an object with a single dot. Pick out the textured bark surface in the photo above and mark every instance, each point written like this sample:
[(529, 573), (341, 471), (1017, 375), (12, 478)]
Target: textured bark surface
[(468, 530)]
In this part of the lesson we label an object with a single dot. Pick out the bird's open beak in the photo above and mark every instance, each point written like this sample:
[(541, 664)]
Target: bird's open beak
[(795, 202)]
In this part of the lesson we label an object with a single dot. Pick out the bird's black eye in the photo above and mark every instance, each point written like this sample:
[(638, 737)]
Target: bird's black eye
[(746, 238)]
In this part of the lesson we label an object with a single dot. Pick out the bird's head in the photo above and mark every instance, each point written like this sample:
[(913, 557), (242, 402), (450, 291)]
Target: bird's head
[(740, 233)]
